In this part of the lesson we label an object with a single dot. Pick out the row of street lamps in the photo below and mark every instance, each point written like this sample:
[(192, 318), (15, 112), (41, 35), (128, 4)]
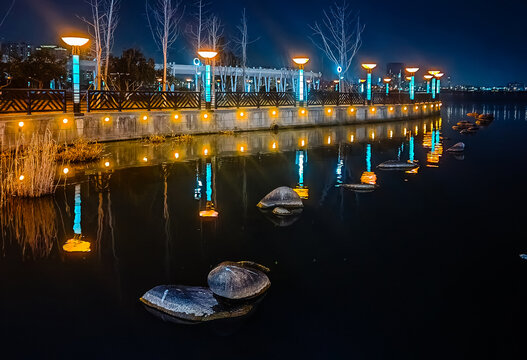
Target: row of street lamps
[(301, 61)]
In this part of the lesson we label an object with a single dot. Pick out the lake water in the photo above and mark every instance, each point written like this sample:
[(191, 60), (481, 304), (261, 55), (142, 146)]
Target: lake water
[(425, 267)]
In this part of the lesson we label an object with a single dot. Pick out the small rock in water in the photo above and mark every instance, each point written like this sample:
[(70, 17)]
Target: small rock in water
[(280, 211), (283, 196), (397, 165), (459, 147), (523, 256), (238, 280), (362, 187), (191, 303)]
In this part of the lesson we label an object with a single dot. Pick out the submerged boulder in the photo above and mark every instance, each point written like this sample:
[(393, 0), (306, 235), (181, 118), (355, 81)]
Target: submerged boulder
[(362, 187), (397, 165), (283, 196), (192, 303), (238, 280), (280, 211), (459, 147)]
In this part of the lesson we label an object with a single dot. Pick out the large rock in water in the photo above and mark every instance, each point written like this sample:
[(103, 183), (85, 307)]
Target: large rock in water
[(283, 196), (238, 280), (192, 303)]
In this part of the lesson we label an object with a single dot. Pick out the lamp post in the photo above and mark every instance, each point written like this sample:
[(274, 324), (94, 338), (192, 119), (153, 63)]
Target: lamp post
[(208, 55), (301, 61), (434, 73), (387, 82), (369, 68), (412, 71), (428, 78), (438, 84), (76, 43), (361, 82)]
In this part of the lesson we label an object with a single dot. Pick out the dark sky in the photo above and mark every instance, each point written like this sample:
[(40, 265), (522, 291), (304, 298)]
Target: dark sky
[(475, 42)]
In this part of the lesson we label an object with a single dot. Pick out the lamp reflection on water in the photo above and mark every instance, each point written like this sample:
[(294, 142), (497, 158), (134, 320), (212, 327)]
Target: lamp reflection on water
[(368, 177), (300, 189), (209, 211), (76, 245)]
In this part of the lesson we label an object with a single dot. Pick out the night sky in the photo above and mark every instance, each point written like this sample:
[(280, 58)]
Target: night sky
[(474, 42)]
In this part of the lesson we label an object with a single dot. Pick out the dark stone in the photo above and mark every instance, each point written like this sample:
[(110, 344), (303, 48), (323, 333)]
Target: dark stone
[(192, 304), (397, 165), (362, 187), (459, 147), (281, 197), (238, 280)]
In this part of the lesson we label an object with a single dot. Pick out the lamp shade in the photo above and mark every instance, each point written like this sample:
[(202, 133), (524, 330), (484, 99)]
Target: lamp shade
[(207, 54), (369, 66), (300, 60), (75, 40)]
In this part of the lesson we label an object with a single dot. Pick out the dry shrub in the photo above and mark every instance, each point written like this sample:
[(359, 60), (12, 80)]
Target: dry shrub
[(32, 222), (155, 139), (29, 171), (183, 138), (80, 151)]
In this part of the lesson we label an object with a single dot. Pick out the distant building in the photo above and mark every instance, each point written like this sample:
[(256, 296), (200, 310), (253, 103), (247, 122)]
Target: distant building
[(516, 86), (396, 72), (59, 52), (14, 50)]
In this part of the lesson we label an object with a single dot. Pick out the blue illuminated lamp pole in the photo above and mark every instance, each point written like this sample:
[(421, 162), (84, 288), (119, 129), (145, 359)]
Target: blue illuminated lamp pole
[(428, 77), (434, 73), (438, 82), (208, 55), (369, 68), (301, 61), (76, 42), (387, 81), (412, 71)]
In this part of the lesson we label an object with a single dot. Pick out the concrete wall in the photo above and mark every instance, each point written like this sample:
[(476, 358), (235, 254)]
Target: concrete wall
[(109, 126)]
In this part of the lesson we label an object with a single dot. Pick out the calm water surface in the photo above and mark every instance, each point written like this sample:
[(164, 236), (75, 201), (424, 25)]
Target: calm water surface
[(426, 267)]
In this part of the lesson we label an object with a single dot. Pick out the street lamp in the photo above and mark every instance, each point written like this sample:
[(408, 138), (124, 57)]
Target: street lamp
[(301, 61), (434, 73), (369, 68), (76, 43), (387, 82), (428, 78), (412, 71), (208, 55), (361, 82), (438, 85)]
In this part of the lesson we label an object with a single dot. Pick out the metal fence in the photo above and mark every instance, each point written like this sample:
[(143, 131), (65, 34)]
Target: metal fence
[(255, 99), (35, 100), (142, 100), (32, 100)]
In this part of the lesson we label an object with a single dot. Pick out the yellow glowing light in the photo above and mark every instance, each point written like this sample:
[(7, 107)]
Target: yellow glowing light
[(362, 80), (352, 110), (369, 67), (416, 129), (205, 151), (417, 108), (424, 106), (387, 80), (74, 245), (21, 177), (368, 177), (21, 124), (176, 117), (434, 72), (273, 145), (107, 164), (439, 75), (405, 131), (412, 70), (303, 192), (373, 109), (303, 111), (241, 114), (176, 155), (145, 159), (274, 112), (391, 108), (205, 116), (405, 108), (329, 140), (302, 142), (329, 111), (145, 118), (352, 138), (65, 121), (242, 148), (391, 134), (208, 214), (428, 77), (75, 41), (107, 119), (300, 60), (373, 135), (207, 54), (66, 170)]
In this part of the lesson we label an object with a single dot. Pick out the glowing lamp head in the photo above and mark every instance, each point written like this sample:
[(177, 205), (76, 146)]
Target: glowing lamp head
[(434, 72), (75, 40), (300, 60), (362, 80), (387, 80), (439, 75), (408, 78), (412, 70), (428, 77), (207, 54), (369, 67)]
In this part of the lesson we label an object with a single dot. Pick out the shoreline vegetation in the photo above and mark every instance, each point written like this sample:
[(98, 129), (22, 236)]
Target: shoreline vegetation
[(28, 170)]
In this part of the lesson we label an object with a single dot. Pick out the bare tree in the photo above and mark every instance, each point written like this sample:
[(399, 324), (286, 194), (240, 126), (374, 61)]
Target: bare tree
[(164, 26), (96, 25), (110, 24), (242, 42), (214, 31), (197, 31), (7, 13), (339, 36)]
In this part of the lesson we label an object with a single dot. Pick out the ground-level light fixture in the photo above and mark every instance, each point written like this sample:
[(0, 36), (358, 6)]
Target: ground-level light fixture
[(21, 124)]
